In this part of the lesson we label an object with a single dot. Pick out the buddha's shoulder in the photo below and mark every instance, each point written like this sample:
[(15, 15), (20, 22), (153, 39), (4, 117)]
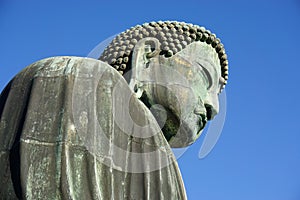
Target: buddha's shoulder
[(66, 65)]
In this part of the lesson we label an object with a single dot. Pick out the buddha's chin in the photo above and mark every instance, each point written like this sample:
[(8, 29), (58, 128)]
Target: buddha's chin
[(184, 132)]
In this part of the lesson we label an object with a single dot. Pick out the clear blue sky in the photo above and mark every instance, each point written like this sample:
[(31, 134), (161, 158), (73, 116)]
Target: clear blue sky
[(258, 154)]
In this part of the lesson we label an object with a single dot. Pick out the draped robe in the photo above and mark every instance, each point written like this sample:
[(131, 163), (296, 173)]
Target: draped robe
[(70, 128)]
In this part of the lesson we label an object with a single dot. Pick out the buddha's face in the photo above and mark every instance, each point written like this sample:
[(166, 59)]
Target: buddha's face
[(186, 86)]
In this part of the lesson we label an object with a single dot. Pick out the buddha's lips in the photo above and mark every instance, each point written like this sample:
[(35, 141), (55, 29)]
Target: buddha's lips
[(202, 121)]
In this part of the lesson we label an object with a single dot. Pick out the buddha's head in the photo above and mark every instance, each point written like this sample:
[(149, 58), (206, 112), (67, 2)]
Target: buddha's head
[(177, 70)]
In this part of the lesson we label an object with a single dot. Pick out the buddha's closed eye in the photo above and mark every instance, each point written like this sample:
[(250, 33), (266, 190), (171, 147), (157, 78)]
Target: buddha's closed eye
[(206, 75)]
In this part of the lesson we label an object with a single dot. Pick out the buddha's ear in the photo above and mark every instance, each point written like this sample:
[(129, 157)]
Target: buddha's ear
[(145, 51)]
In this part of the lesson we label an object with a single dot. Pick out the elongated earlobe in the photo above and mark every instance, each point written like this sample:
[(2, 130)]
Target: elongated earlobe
[(144, 51)]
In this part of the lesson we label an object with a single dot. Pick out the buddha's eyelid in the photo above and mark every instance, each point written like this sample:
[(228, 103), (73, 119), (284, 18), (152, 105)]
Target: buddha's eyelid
[(207, 73)]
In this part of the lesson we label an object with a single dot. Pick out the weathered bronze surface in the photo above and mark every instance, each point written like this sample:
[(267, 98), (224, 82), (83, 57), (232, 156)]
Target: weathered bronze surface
[(55, 145), (74, 128), (187, 86)]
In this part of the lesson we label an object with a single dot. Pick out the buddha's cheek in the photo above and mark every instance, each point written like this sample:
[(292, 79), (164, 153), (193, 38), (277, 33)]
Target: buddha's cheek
[(177, 99)]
